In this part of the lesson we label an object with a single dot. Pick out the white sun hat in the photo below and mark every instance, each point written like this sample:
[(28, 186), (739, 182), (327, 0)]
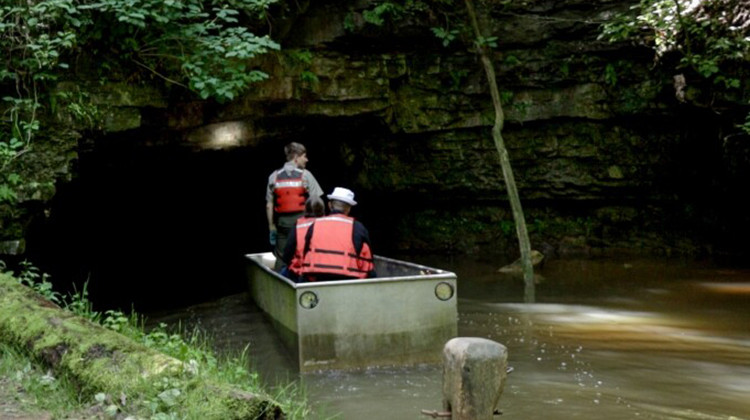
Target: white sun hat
[(343, 194)]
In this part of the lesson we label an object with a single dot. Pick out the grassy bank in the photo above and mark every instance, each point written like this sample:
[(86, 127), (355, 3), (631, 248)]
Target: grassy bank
[(191, 380), (28, 390)]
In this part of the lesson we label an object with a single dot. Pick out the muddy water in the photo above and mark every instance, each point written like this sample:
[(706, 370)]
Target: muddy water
[(604, 339)]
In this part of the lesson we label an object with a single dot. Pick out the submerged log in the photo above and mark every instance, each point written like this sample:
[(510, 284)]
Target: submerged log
[(516, 267), (101, 360)]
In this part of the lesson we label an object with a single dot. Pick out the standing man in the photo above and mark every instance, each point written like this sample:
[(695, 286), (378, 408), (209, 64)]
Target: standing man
[(336, 246), (288, 189)]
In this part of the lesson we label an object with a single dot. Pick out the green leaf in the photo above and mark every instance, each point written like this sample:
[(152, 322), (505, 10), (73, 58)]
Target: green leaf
[(7, 194), (14, 178)]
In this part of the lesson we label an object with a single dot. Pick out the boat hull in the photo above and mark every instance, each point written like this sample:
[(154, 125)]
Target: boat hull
[(401, 318)]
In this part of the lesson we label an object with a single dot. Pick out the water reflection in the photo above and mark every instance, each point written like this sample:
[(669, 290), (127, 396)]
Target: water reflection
[(619, 364), (606, 339)]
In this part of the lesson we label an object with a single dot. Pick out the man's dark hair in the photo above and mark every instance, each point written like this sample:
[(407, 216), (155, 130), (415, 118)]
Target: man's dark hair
[(314, 207), (294, 149)]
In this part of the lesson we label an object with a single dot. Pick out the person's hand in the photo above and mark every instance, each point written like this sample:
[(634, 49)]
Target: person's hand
[(272, 237)]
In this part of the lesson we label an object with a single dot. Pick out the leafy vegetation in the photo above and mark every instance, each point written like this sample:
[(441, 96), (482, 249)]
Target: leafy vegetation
[(204, 46), (167, 398), (707, 34), (378, 14), (301, 60), (446, 35), (710, 38)]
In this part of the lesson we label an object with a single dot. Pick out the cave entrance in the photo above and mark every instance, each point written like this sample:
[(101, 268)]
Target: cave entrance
[(153, 224), (156, 227)]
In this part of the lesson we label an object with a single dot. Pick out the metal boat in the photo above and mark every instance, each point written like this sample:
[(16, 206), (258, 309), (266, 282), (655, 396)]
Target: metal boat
[(402, 317)]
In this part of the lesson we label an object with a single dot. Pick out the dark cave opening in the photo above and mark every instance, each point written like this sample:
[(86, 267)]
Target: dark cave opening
[(158, 227), (154, 227)]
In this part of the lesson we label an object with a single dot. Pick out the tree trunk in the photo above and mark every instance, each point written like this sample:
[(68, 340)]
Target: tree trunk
[(510, 183), (101, 360)]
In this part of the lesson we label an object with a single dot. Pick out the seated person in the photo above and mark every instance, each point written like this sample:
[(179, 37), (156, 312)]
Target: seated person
[(337, 246), (292, 257)]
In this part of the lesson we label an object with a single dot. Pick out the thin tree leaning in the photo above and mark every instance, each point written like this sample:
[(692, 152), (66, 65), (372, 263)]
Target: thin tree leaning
[(497, 137)]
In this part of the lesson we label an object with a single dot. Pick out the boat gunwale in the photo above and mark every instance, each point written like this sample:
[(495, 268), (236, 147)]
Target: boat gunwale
[(439, 275)]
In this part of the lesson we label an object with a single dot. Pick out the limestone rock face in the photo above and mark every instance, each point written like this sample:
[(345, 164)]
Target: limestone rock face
[(604, 153)]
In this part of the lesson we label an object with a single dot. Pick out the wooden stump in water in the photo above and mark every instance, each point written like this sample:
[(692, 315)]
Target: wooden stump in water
[(474, 372)]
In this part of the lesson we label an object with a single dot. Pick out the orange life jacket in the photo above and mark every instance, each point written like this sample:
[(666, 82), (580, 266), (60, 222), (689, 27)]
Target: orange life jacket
[(331, 249), (303, 224), (289, 192)]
